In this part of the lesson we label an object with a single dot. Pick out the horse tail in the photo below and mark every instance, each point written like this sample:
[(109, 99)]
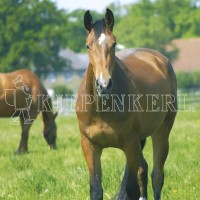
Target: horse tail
[(121, 194)]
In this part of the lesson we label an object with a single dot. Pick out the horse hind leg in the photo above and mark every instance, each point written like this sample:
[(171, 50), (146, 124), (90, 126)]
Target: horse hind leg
[(142, 179), (160, 140), (129, 189), (142, 173)]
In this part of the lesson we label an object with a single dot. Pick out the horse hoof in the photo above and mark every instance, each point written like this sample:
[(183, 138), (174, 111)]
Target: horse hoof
[(52, 147)]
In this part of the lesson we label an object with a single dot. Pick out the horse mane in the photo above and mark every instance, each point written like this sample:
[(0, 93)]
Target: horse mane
[(47, 116)]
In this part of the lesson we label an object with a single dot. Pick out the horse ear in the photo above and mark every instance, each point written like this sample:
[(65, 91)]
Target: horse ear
[(88, 22), (55, 115), (109, 19)]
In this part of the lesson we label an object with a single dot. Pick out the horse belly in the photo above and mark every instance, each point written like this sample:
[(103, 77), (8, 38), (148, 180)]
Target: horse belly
[(148, 123), (6, 108)]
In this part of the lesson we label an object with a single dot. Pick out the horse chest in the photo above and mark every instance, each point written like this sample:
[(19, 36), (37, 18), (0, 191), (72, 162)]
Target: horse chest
[(102, 134), (108, 134)]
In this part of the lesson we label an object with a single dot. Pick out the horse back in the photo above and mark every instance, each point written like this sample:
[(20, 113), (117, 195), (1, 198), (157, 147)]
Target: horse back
[(11, 97), (31, 81)]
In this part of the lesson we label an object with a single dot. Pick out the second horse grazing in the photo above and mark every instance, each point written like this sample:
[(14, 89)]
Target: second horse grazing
[(23, 96), (124, 98)]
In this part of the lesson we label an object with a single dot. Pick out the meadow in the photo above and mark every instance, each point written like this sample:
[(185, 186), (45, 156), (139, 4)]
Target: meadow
[(62, 174)]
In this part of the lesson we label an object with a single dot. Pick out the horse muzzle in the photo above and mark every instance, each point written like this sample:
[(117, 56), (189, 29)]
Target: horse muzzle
[(103, 87)]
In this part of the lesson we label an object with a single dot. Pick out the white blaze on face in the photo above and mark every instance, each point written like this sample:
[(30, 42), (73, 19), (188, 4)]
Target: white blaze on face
[(142, 198), (102, 80), (101, 38)]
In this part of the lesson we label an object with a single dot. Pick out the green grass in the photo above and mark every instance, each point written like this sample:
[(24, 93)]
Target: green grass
[(52, 175)]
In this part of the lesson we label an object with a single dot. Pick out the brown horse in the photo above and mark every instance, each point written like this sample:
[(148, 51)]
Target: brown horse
[(123, 99), (23, 96)]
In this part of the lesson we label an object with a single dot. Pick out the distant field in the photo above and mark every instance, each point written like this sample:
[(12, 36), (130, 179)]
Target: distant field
[(62, 175)]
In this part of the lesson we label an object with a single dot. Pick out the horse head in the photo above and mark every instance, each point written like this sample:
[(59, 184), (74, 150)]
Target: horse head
[(101, 43), (50, 131)]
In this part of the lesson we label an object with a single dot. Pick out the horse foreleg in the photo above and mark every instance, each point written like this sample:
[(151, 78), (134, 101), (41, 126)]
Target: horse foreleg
[(92, 155), (132, 150), (23, 145)]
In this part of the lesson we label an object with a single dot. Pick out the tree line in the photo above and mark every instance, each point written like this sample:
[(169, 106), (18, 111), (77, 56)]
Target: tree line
[(33, 32)]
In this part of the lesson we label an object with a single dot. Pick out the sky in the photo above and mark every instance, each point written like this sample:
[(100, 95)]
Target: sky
[(99, 5)]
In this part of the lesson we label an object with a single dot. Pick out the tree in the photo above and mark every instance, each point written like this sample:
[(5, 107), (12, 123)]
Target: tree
[(75, 32), (31, 35), (143, 27), (181, 16)]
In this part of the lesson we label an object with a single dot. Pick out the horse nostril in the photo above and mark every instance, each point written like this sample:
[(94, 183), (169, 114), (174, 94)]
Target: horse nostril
[(103, 87), (97, 83)]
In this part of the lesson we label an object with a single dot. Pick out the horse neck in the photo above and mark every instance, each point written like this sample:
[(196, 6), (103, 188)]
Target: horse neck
[(47, 119), (47, 113), (120, 79)]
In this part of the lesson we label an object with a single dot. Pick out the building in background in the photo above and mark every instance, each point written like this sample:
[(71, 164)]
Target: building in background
[(188, 59), (71, 77)]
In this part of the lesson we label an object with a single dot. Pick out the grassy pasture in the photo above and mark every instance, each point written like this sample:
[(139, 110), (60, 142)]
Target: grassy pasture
[(62, 175)]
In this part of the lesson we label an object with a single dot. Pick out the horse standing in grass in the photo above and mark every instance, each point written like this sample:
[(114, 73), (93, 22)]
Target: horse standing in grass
[(125, 97), (22, 95)]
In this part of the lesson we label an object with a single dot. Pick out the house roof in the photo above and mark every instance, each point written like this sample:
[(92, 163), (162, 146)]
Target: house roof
[(78, 61), (189, 55)]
